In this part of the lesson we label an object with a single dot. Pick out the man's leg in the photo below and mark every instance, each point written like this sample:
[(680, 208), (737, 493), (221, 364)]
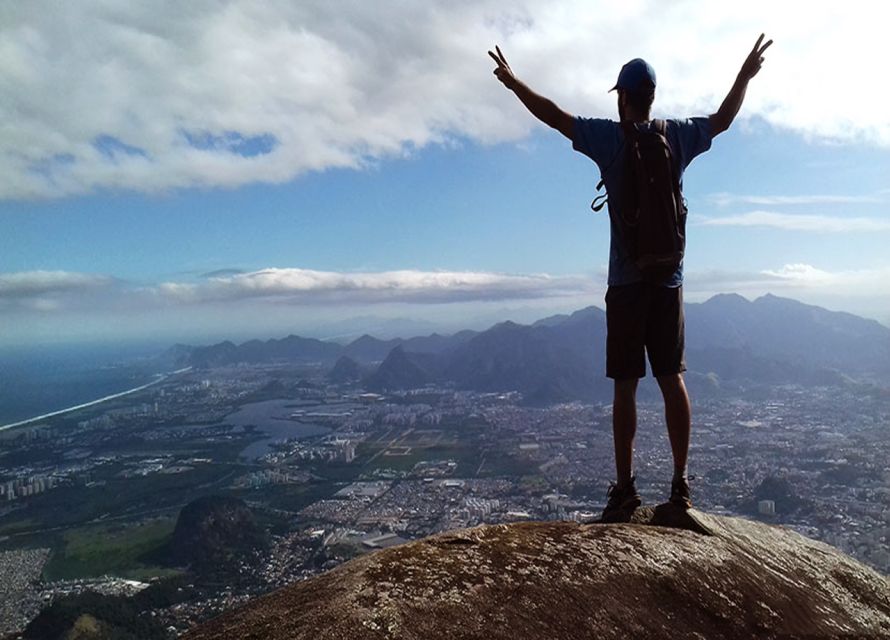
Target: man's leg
[(678, 415), (624, 427), (665, 342), (625, 364), (623, 497)]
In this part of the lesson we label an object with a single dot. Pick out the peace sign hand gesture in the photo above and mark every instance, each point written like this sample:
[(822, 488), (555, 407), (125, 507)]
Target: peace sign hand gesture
[(755, 59), (504, 73)]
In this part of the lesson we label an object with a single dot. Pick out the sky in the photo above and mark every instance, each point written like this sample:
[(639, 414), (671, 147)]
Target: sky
[(207, 170)]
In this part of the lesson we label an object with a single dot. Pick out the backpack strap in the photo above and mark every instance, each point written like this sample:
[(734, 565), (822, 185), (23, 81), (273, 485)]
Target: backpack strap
[(630, 133), (600, 201), (661, 128)]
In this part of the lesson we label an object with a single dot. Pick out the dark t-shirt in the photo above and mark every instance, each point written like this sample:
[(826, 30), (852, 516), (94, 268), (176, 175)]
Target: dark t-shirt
[(603, 142)]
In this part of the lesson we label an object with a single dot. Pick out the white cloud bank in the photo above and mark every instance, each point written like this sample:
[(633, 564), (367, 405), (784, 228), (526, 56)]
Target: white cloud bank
[(304, 286), (59, 290), (160, 95)]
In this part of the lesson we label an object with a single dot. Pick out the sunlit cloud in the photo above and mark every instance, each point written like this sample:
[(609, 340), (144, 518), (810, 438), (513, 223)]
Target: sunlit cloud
[(798, 222), (167, 95)]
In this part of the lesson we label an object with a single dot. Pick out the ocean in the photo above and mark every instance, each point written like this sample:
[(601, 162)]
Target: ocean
[(39, 380)]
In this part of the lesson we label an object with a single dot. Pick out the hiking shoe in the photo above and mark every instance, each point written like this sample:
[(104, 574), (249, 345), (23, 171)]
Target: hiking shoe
[(680, 494), (622, 502)]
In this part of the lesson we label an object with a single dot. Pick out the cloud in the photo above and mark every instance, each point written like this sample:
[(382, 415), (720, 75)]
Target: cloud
[(325, 287), (53, 291), (798, 222), (218, 273), (874, 282), (725, 199), (807, 275), (26, 284), (213, 93), (59, 291), (796, 279)]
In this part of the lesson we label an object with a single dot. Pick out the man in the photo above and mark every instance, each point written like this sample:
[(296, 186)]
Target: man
[(642, 317)]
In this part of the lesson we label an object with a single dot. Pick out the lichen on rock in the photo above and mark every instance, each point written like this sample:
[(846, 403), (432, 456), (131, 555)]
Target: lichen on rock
[(665, 574)]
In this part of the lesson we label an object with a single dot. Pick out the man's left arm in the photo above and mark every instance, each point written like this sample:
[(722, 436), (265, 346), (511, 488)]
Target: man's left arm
[(721, 120)]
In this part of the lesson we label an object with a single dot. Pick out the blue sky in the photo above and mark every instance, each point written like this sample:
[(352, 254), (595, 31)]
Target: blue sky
[(268, 168)]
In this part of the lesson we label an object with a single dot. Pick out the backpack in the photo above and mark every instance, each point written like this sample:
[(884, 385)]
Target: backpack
[(652, 220)]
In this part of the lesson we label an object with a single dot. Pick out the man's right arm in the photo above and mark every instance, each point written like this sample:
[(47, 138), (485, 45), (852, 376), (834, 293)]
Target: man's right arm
[(721, 120), (542, 108)]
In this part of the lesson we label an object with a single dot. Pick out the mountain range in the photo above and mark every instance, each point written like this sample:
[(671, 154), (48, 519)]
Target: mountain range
[(729, 340)]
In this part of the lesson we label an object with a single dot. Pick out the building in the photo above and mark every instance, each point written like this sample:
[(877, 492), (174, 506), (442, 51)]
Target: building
[(766, 507)]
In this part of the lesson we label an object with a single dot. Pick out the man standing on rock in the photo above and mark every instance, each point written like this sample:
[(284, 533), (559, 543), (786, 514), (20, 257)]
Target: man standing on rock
[(644, 308)]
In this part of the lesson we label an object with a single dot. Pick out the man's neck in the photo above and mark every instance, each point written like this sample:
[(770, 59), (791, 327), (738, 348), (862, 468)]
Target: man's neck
[(636, 118)]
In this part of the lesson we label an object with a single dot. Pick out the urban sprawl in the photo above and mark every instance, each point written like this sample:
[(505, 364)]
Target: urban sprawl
[(343, 472)]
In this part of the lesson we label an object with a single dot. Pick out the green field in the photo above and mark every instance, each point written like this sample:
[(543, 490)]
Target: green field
[(498, 463), (111, 549), (289, 497), (126, 498), (15, 526)]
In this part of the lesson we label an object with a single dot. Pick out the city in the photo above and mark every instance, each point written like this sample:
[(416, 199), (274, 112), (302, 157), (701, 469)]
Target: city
[(331, 471)]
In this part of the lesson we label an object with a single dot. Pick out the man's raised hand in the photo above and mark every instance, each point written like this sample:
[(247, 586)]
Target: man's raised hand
[(540, 107), (503, 72), (755, 59)]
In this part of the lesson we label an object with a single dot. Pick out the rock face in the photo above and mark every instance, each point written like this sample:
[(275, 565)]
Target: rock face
[(664, 575), (213, 533)]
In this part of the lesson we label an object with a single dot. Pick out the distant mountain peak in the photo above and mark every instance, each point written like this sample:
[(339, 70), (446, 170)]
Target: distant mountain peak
[(345, 370), (727, 298), (769, 297), (403, 369)]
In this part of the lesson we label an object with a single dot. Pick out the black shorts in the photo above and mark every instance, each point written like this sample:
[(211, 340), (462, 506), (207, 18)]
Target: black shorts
[(644, 318)]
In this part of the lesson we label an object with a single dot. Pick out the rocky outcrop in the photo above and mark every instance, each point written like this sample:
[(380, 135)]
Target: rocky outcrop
[(667, 574), (214, 534)]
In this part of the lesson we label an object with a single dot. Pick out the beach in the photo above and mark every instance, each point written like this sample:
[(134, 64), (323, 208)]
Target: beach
[(160, 378)]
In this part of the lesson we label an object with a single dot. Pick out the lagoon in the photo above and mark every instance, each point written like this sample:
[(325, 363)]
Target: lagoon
[(272, 417)]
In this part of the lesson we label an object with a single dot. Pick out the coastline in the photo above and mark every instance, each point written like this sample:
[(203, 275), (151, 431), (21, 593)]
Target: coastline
[(53, 414)]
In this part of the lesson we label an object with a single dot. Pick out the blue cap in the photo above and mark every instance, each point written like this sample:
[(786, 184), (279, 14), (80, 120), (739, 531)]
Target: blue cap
[(635, 76)]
